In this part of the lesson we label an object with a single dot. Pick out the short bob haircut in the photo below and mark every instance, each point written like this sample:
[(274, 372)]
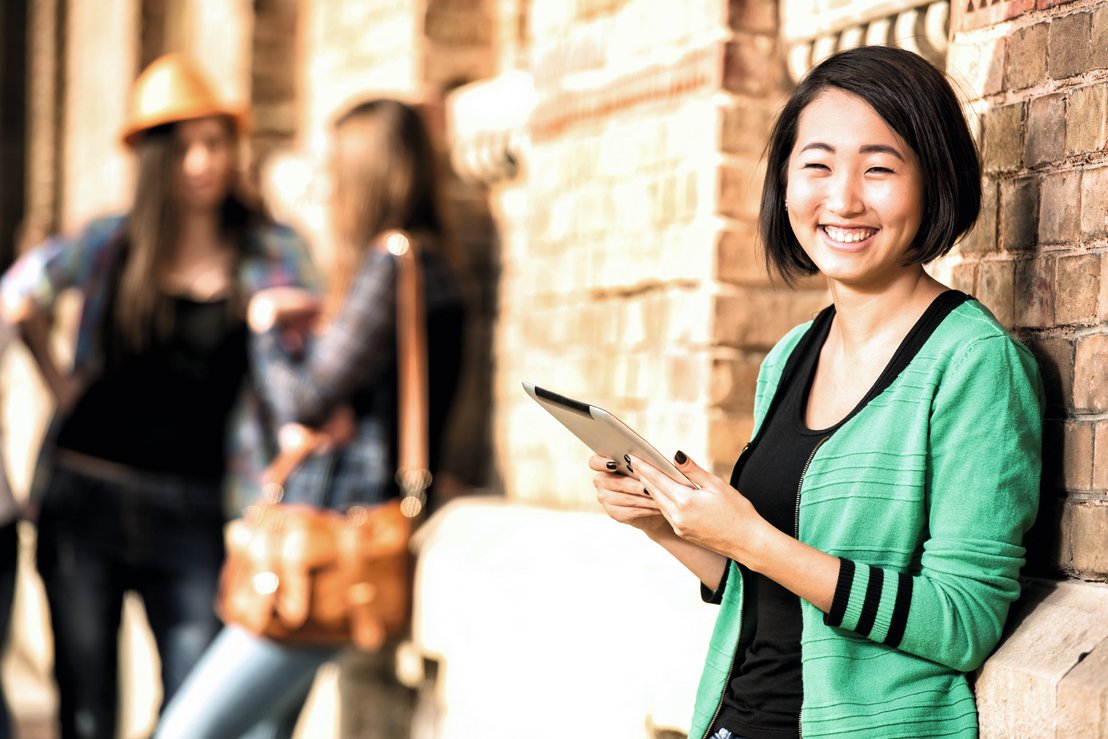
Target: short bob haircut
[(917, 102)]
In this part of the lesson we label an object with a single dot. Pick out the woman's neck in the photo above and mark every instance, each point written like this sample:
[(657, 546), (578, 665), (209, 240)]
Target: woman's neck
[(199, 234), (863, 316)]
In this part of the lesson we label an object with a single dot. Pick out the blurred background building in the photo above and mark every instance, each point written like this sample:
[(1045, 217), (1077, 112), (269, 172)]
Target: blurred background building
[(604, 162)]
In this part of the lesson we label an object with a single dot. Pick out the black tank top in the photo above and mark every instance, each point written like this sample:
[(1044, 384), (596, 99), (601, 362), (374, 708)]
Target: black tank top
[(166, 409)]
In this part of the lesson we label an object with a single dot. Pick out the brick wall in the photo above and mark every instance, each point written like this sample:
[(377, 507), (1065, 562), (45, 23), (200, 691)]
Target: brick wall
[(1038, 78), (634, 283)]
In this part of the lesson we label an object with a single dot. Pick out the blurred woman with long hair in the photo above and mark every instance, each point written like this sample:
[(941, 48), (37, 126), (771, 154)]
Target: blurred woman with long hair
[(384, 180), (129, 490)]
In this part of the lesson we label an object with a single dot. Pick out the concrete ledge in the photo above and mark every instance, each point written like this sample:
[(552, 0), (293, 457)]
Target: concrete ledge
[(1049, 678), (549, 624)]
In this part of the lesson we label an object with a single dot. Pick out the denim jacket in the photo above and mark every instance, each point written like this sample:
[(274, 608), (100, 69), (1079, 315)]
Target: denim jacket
[(274, 256)]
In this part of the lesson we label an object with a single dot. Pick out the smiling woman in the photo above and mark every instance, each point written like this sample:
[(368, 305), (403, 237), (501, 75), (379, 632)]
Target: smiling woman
[(866, 548)]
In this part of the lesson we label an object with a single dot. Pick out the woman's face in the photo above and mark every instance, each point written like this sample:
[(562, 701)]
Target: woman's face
[(205, 162), (855, 191)]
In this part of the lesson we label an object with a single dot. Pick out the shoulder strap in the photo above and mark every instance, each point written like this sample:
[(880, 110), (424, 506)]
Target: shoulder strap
[(413, 473)]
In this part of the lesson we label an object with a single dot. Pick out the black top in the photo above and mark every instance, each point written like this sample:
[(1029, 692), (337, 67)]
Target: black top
[(763, 698), (165, 409)]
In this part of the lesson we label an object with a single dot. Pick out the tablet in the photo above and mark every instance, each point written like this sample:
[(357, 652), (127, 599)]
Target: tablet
[(602, 432)]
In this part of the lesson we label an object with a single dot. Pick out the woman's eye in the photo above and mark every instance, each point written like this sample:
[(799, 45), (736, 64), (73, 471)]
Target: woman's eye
[(815, 165), (880, 170)]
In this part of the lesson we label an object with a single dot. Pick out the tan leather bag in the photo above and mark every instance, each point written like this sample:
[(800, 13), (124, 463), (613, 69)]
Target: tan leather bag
[(305, 575)]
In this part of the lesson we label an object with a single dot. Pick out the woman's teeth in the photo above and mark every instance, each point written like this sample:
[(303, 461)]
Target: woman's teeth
[(848, 235)]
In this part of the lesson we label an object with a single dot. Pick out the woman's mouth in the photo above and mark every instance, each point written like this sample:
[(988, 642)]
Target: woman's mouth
[(848, 235)]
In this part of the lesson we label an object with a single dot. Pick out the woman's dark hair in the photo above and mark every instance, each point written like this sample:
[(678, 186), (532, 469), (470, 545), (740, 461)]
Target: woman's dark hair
[(142, 310), (917, 102), (386, 178)]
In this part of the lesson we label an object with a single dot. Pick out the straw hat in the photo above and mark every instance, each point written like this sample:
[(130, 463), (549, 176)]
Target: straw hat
[(172, 89)]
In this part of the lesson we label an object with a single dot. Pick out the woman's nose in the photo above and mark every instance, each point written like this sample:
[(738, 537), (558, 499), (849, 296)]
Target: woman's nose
[(844, 195), (196, 160)]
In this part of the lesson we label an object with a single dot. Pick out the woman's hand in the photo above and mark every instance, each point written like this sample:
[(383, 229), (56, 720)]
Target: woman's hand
[(623, 498), (291, 308), (717, 516)]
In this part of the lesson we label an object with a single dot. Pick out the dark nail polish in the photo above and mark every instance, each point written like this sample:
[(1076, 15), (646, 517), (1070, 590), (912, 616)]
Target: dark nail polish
[(629, 467), (680, 457), (627, 459), (646, 492), (611, 465)]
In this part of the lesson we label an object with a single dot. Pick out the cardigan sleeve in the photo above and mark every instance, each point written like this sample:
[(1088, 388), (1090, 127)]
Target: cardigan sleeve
[(984, 461)]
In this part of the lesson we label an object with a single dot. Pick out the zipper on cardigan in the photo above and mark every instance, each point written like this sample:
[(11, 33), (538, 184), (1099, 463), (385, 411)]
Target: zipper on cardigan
[(796, 535), (800, 484)]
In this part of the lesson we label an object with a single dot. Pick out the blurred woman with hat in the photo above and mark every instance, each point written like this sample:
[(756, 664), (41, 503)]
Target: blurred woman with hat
[(130, 493)]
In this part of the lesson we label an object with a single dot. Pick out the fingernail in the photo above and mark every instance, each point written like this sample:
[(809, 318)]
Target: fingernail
[(646, 492), (611, 465), (627, 459), (680, 457)]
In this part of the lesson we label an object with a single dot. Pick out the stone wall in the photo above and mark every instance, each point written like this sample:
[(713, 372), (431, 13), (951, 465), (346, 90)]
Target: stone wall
[(636, 286), (1037, 75)]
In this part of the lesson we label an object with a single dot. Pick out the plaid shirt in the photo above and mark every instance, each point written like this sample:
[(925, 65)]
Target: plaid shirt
[(273, 256), (353, 361)]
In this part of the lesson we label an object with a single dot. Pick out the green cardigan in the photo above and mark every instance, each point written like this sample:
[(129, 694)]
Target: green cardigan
[(924, 495)]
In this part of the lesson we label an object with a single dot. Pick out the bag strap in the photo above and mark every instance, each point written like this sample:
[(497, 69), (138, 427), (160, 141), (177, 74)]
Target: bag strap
[(413, 474)]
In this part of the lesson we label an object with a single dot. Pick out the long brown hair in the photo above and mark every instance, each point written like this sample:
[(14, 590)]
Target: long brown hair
[(142, 311), (385, 178)]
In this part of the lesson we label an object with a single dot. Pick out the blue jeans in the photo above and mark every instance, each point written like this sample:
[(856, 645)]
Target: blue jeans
[(9, 554), (157, 535), (243, 686)]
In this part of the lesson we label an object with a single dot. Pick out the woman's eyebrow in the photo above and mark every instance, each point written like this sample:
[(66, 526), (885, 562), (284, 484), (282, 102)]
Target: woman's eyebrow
[(866, 149), (881, 149)]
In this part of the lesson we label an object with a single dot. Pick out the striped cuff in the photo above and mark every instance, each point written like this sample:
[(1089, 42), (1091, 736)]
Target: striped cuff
[(871, 601)]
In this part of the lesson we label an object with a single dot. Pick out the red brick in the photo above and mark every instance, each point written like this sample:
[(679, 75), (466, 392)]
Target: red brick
[(1077, 456), (964, 278), (727, 435), (982, 239), (740, 259), (1060, 208), (740, 190), (1044, 140), (1077, 289), (733, 381), (1027, 57), (1083, 543), (1069, 45), (1003, 138), (1019, 214), (745, 128), (1035, 288), (1099, 39), (1103, 313), (752, 15), (1100, 457), (1094, 204), (1055, 357), (750, 64), (995, 288), (1086, 113), (1090, 380), (753, 318)]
